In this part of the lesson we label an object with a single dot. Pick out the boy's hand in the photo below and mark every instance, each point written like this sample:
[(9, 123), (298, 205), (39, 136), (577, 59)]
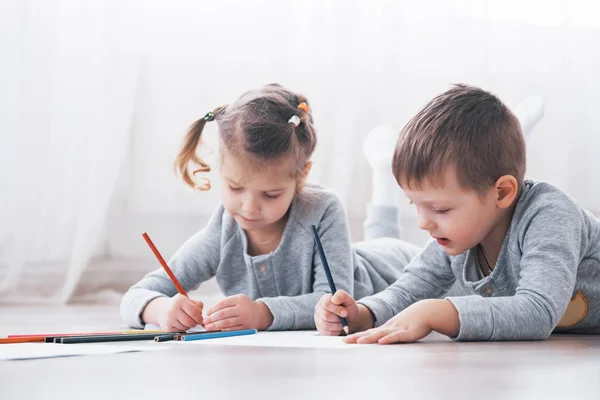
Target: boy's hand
[(413, 324), (178, 313), (330, 308), (238, 312)]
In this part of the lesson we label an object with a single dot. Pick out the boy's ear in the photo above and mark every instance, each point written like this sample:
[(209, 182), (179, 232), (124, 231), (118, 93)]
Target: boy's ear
[(507, 190), (302, 177)]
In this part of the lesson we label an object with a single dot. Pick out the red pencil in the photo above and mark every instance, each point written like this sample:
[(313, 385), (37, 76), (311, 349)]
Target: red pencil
[(164, 264)]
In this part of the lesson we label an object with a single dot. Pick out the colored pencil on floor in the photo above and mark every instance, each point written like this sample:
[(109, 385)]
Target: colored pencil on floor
[(53, 335), (178, 336), (21, 340), (106, 338), (215, 335)]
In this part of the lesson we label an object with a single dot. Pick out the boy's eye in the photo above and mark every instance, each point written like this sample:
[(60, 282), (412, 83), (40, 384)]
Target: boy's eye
[(441, 211), (271, 196), (234, 188)]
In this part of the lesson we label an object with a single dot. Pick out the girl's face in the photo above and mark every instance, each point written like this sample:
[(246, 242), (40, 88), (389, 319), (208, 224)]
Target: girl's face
[(257, 197)]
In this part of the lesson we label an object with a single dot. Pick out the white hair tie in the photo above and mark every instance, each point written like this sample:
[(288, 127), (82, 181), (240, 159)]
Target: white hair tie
[(294, 120)]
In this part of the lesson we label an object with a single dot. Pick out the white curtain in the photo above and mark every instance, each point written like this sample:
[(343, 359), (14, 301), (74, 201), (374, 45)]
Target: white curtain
[(71, 69), (84, 118)]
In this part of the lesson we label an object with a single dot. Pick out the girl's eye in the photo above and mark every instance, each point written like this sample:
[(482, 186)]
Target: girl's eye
[(235, 189), (271, 196), (441, 211)]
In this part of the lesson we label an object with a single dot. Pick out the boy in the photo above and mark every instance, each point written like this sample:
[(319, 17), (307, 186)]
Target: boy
[(524, 256)]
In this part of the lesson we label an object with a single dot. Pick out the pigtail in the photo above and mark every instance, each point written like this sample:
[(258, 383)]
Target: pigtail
[(187, 152), (304, 136)]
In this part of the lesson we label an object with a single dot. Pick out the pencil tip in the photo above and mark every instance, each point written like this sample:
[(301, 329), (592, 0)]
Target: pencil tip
[(347, 330)]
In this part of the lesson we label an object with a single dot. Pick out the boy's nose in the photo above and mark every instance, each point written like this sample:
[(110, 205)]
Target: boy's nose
[(425, 223)]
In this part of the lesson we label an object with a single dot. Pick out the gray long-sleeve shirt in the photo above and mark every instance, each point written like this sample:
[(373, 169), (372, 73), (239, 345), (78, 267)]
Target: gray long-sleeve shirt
[(290, 280), (550, 260)]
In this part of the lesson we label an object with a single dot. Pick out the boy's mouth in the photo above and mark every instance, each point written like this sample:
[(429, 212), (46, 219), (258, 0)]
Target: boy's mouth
[(443, 241)]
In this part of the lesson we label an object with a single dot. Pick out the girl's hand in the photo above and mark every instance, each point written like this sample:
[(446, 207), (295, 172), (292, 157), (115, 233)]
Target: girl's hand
[(177, 314), (238, 312)]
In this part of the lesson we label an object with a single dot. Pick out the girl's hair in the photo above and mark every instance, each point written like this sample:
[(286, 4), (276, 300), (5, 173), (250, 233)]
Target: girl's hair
[(260, 126)]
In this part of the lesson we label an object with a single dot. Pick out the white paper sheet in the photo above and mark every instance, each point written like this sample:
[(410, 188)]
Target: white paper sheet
[(304, 339), (28, 351)]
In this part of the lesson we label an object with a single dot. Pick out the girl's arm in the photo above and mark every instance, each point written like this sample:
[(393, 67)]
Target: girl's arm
[(193, 263)]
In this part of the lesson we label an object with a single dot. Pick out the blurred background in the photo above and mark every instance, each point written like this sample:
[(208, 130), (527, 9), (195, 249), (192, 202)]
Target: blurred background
[(96, 95)]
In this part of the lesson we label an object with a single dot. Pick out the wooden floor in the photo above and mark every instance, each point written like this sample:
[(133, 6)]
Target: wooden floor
[(564, 367)]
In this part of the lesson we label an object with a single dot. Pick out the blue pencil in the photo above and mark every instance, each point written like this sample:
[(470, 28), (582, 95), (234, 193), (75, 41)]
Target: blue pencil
[(214, 335), (328, 273)]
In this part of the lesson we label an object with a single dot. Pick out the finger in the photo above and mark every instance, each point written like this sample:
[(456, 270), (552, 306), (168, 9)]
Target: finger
[(194, 310), (327, 304), (374, 336), (356, 336), (328, 316), (235, 328), (185, 319), (398, 336), (330, 326), (351, 338), (342, 298), (224, 313), (174, 326), (224, 324), (191, 319), (226, 302)]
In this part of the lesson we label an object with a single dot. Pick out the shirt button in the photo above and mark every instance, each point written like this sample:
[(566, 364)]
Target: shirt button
[(489, 291), (263, 268)]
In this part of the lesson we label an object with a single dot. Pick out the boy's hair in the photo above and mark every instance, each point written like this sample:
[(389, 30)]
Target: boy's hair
[(256, 126), (465, 127)]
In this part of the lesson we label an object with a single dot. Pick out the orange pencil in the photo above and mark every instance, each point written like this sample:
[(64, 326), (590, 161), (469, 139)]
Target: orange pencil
[(164, 264), (22, 340)]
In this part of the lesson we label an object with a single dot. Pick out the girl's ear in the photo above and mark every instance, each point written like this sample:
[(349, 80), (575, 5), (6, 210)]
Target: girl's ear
[(303, 176)]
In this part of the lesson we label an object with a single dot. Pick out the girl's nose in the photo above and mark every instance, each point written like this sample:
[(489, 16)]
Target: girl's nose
[(250, 205)]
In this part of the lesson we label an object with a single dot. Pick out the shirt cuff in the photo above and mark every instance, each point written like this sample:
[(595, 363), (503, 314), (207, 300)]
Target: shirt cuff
[(380, 309), (284, 317), (475, 316), (133, 316)]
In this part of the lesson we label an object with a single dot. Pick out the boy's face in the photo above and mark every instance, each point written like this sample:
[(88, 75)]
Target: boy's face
[(456, 217)]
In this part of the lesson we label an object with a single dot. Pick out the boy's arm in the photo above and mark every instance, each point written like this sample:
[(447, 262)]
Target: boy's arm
[(194, 262), (428, 275), (552, 247)]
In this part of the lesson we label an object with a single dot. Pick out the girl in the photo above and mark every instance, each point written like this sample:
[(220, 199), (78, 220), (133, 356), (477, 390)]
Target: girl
[(258, 243)]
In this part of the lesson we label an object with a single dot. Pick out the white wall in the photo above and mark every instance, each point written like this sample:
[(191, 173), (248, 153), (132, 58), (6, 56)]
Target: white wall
[(360, 64)]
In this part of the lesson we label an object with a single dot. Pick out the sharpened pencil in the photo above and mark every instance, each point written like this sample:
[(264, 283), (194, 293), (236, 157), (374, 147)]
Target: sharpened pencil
[(162, 262), (328, 273)]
